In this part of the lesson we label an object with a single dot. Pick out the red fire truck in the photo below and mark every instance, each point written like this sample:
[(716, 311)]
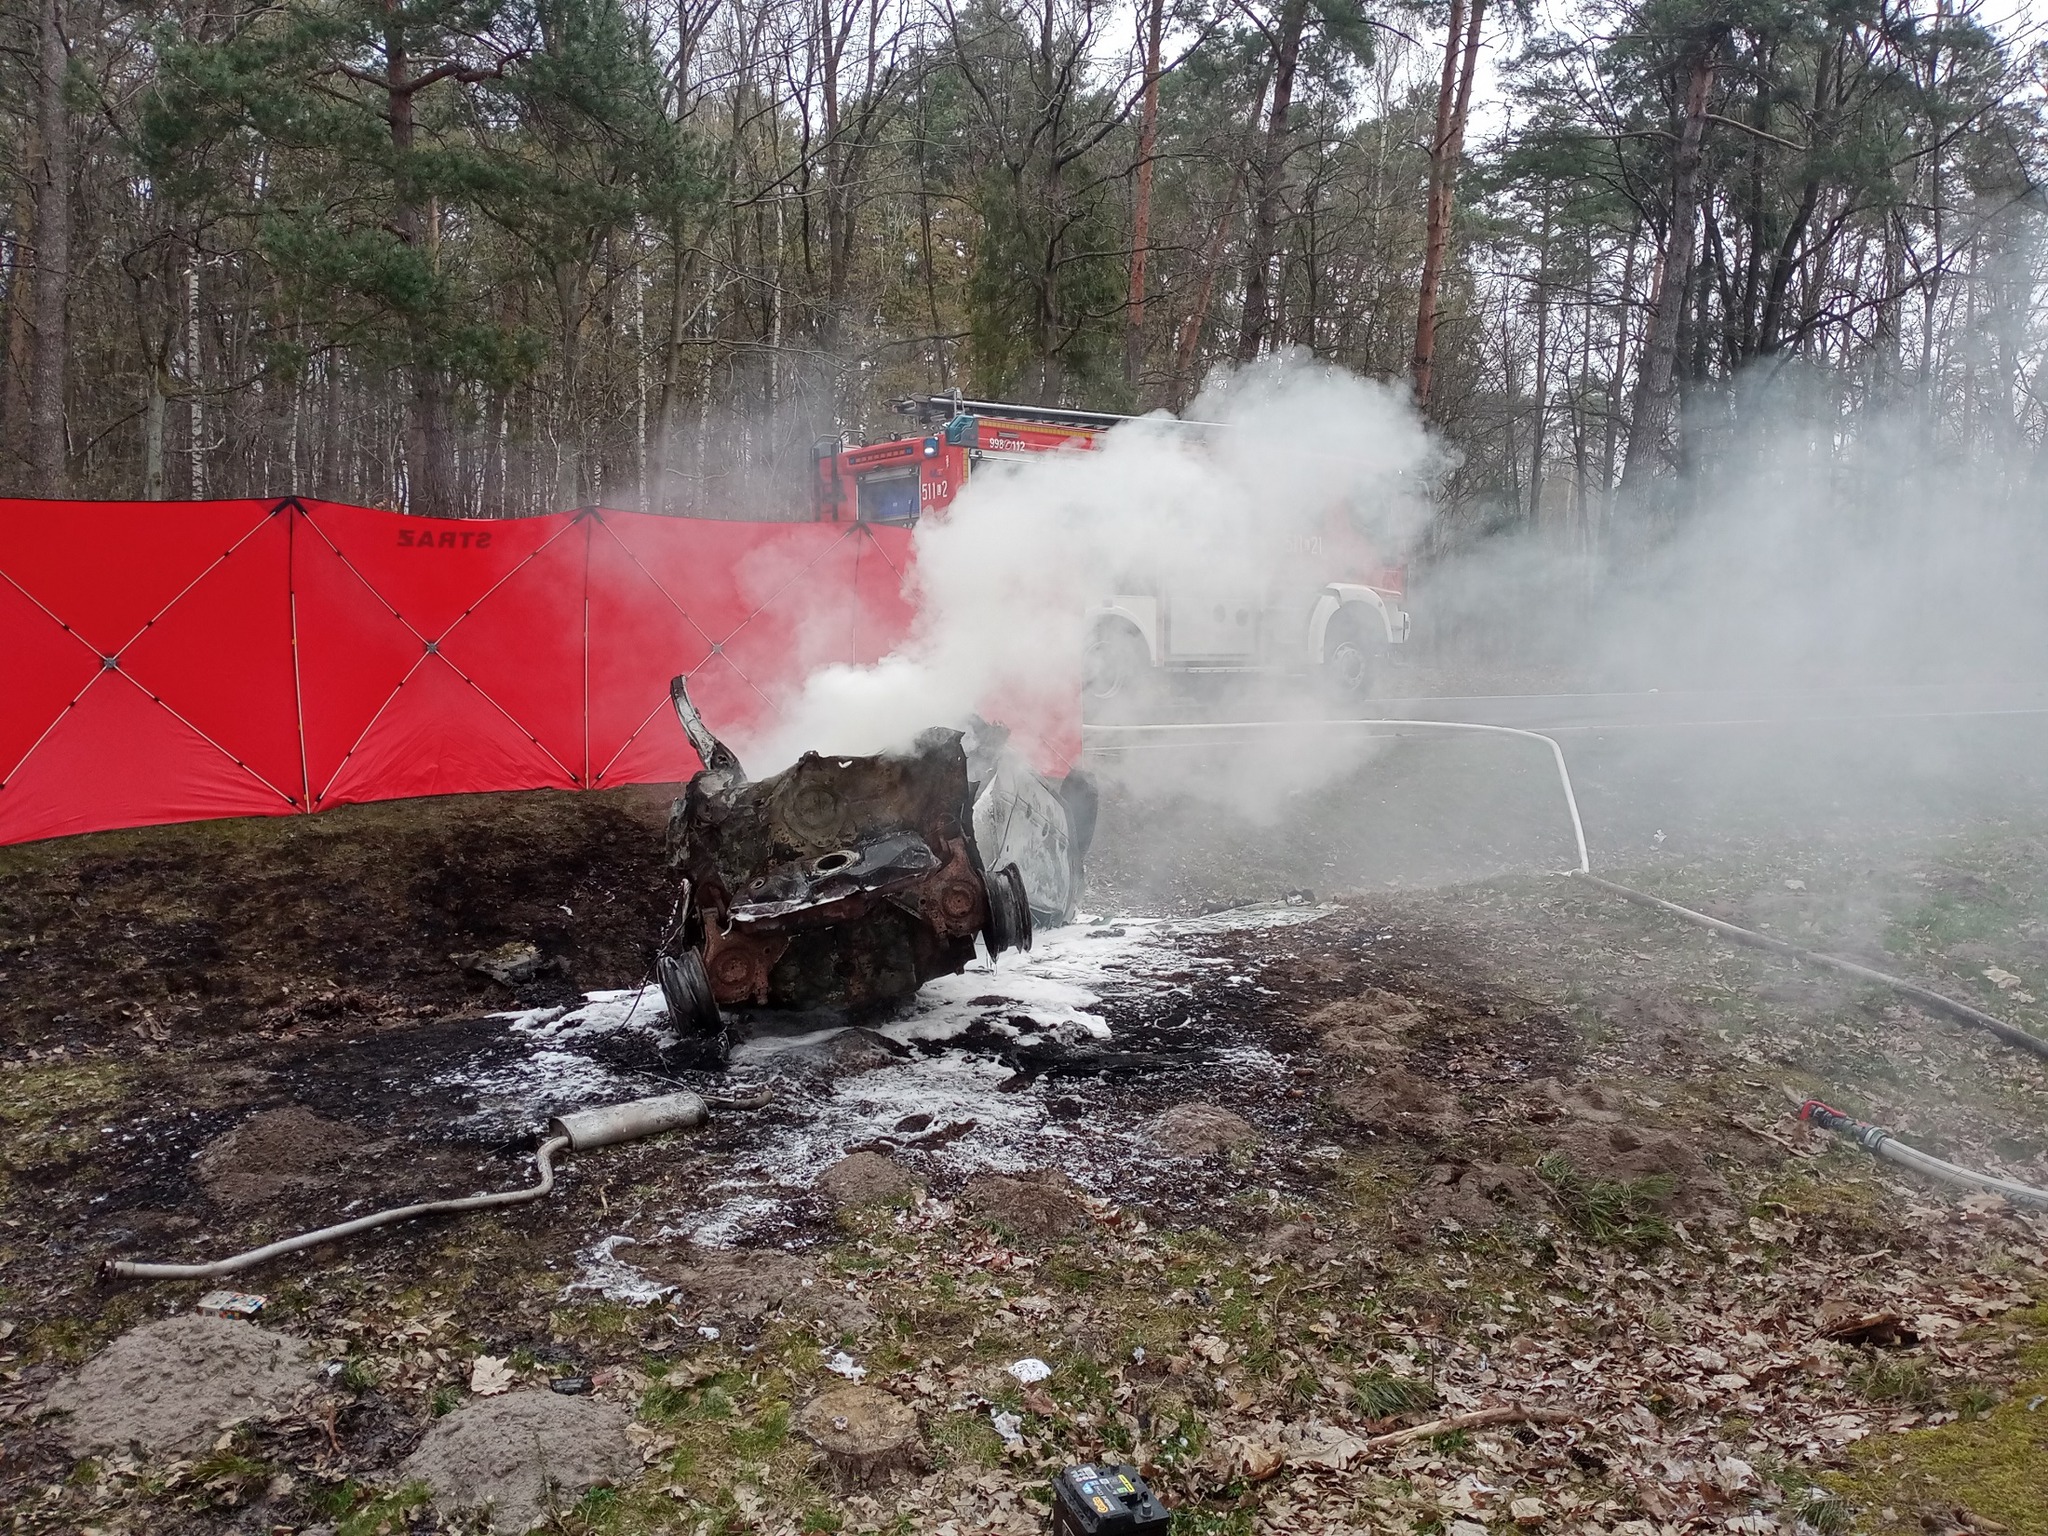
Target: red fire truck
[(1337, 614)]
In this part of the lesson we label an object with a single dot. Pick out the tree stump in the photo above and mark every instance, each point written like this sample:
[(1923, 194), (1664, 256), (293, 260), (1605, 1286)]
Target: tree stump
[(865, 1435)]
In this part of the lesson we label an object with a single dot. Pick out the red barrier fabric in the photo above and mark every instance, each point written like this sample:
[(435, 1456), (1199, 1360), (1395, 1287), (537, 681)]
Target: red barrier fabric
[(168, 662)]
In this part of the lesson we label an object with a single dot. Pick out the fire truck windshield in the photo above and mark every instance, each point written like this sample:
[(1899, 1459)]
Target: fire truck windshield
[(888, 496)]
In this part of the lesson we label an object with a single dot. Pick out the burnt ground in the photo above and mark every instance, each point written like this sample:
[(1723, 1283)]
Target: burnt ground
[(1516, 1146)]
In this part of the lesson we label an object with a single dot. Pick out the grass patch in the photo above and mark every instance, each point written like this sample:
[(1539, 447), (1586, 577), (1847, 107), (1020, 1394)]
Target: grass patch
[(668, 1402), (968, 1438), (227, 1477), (387, 1513), (1897, 1380), (1608, 1210), (764, 1436), (1823, 1511), (1210, 1522), (1380, 1394)]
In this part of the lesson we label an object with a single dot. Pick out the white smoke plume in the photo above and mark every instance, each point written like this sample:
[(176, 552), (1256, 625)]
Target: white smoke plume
[(1005, 580)]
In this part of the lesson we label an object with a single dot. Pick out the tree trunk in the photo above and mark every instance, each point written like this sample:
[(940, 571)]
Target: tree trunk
[(1453, 109), (1610, 445), (15, 388), (1542, 387), (491, 495), (1196, 320), (1141, 199), (429, 448), (571, 290), (1772, 322), (1650, 418), (195, 399), (153, 404), (1582, 520), (328, 467), (668, 424), (1257, 318), (48, 453)]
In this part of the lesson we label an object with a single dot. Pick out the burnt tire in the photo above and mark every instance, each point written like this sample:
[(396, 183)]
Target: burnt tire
[(692, 1009), (1009, 912)]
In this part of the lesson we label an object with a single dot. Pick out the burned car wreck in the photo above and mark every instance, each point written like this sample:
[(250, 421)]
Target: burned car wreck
[(843, 884)]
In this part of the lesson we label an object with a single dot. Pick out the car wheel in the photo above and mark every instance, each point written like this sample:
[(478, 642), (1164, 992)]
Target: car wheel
[(1009, 912), (692, 1009)]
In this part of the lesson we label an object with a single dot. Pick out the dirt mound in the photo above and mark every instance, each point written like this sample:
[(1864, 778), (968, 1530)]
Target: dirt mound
[(1374, 1024), (1628, 1153), (307, 923), (169, 1386), (866, 1178), (518, 1456), (1471, 1197), (1044, 1204), (724, 1286), (280, 1154), (1199, 1130), (1549, 1100), (294, 1156), (1397, 1103)]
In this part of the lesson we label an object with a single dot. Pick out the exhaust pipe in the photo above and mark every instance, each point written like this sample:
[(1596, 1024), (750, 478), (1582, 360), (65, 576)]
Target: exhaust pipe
[(579, 1131), (634, 1120)]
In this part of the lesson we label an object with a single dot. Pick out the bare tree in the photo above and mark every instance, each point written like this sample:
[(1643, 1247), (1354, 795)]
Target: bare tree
[(49, 450), (1650, 417), (1269, 181), (1141, 194), (1446, 152)]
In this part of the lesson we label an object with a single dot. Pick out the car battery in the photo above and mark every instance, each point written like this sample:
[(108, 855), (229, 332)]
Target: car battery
[(1102, 1499)]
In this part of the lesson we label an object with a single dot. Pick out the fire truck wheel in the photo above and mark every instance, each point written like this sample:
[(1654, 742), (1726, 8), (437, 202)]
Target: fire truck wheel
[(1116, 667), (1351, 661)]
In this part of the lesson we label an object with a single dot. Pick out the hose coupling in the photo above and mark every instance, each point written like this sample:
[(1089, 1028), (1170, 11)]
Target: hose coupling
[(1831, 1119)]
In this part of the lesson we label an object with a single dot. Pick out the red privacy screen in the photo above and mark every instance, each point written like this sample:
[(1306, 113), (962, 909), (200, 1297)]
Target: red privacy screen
[(172, 661)]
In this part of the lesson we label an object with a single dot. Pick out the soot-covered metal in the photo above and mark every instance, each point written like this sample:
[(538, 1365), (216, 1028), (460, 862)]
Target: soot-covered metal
[(842, 883)]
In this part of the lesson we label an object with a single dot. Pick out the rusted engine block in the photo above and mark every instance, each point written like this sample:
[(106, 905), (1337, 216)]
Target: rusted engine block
[(840, 883)]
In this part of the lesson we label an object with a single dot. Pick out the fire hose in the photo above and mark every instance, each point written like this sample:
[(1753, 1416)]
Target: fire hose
[(1879, 1141)]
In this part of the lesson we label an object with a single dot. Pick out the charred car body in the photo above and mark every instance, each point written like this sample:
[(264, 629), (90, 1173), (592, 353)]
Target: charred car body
[(846, 883)]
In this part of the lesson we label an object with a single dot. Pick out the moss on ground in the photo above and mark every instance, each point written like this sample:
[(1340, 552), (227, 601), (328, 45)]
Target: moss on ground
[(1992, 1463), (47, 1111)]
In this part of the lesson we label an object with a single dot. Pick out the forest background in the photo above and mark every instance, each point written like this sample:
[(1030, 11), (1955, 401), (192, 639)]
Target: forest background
[(490, 257)]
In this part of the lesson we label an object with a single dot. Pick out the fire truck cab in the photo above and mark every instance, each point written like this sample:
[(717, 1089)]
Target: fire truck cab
[(1337, 613)]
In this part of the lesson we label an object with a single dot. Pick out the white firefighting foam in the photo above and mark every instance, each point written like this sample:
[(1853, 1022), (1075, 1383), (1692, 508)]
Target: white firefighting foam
[(1059, 990)]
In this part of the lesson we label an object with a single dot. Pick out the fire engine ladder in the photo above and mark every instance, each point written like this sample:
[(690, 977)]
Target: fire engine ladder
[(934, 410)]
